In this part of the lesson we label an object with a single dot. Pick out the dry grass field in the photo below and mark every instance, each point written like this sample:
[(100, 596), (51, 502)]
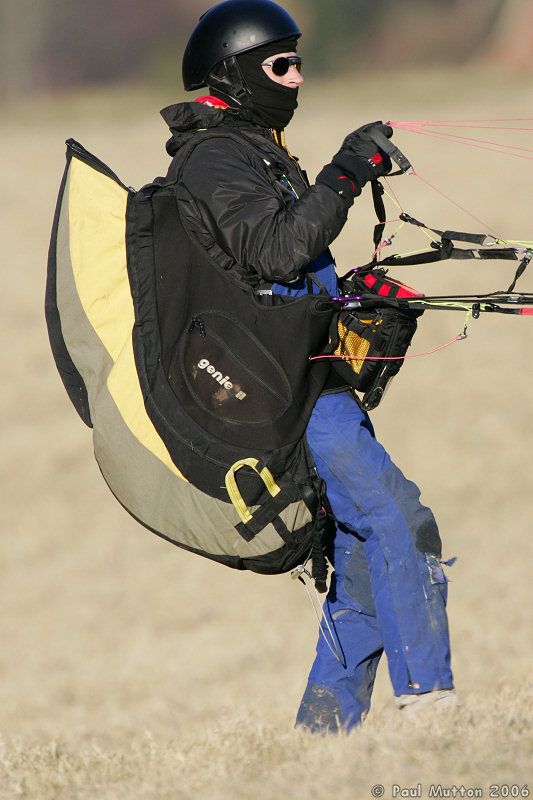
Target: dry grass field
[(130, 669)]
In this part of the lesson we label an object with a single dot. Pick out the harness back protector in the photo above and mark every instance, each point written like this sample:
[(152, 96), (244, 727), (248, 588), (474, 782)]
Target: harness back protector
[(197, 388)]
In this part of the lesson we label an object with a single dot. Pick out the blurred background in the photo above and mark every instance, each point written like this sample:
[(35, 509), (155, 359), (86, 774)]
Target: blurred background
[(49, 45), (131, 669)]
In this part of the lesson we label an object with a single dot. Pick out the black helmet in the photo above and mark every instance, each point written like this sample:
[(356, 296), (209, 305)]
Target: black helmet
[(231, 28)]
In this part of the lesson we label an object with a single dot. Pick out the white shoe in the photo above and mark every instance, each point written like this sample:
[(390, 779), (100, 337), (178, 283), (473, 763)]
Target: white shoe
[(412, 704)]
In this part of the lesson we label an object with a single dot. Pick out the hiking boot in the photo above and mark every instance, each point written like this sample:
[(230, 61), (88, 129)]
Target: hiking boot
[(412, 704)]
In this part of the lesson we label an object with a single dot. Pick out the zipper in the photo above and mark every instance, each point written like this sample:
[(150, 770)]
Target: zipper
[(223, 345), (92, 161)]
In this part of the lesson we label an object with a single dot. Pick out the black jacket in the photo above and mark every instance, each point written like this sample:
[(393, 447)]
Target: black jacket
[(239, 199)]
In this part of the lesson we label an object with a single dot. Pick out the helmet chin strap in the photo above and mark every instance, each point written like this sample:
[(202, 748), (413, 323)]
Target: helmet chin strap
[(227, 78)]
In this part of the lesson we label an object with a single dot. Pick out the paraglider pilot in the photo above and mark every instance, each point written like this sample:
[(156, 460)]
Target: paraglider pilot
[(271, 228)]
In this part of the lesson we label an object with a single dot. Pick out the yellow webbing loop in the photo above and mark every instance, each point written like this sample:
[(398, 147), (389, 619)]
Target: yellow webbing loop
[(233, 491)]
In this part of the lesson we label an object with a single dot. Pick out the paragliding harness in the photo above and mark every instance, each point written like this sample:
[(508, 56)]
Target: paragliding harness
[(199, 389)]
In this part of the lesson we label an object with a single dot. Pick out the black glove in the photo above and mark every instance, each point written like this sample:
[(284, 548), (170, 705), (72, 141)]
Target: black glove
[(358, 161)]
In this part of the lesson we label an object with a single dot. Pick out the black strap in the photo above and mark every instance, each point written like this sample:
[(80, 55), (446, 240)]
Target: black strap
[(442, 248), (482, 239), (528, 255), (379, 208), (185, 151), (444, 251), (284, 533), (312, 277), (319, 569), (269, 510)]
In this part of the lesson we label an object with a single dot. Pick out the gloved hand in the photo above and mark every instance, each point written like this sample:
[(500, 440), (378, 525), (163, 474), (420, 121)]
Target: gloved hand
[(358, 161)]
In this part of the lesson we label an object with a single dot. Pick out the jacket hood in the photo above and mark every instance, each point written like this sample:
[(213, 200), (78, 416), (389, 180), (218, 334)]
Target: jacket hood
[(184, 119)]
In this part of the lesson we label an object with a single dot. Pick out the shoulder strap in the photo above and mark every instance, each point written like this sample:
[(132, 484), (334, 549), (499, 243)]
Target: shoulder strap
[(185, 151)]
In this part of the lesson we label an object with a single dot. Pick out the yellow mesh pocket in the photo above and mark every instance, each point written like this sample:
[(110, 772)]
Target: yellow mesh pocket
[(352, 347)]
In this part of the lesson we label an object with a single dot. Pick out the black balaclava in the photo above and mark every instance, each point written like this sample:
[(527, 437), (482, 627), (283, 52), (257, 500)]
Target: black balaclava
[(273, 105)]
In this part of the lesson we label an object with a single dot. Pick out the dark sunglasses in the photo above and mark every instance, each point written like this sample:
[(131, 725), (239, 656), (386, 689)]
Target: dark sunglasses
[(280, 66)]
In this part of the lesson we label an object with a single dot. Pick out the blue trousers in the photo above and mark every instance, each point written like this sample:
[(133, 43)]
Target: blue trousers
[(388, 591)]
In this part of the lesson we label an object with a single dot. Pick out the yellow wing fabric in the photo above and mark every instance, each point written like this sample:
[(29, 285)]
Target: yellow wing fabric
[(97, 239)]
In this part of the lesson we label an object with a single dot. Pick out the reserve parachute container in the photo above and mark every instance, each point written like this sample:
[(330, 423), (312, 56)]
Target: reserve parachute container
[(197, 388)]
